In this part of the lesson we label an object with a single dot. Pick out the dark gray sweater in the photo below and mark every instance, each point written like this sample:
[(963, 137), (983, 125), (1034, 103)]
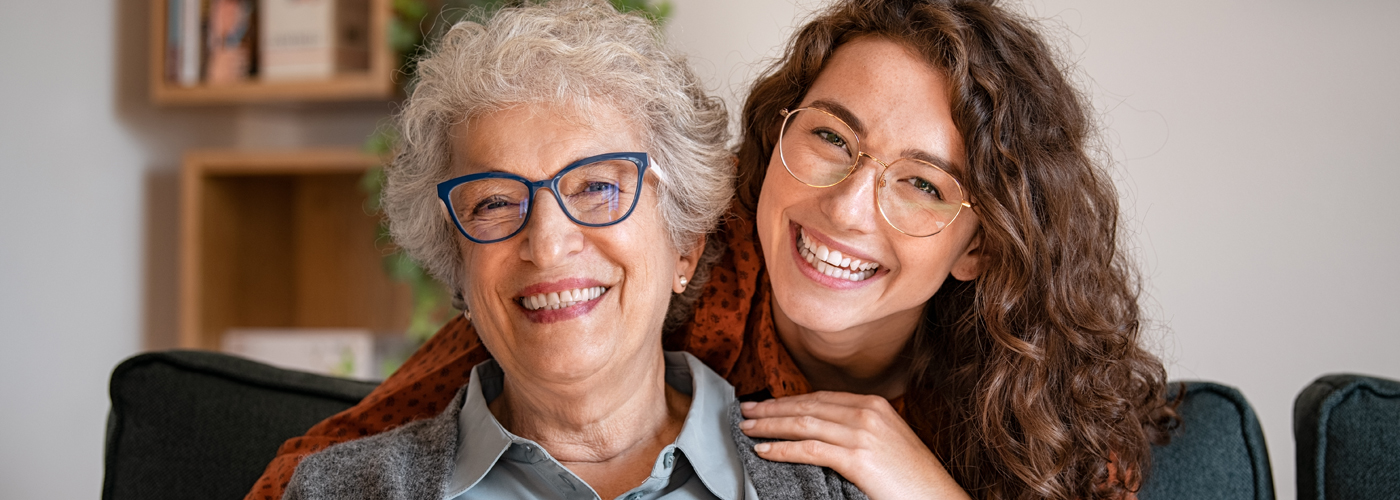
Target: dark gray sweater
[(414, 462)]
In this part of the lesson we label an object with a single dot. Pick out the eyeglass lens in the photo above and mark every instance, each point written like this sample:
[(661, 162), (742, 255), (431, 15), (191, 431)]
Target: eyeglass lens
[(594, 194), (915, 196)]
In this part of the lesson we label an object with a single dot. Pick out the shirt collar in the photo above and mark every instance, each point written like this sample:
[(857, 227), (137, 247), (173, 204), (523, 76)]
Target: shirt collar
[(704, 437), (478, 429)]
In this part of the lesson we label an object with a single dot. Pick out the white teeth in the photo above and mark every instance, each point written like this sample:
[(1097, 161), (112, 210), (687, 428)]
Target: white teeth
[(560, 300), (831, 263)]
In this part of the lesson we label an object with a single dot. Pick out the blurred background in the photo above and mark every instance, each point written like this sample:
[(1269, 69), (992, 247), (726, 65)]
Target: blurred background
[(1255, 147)]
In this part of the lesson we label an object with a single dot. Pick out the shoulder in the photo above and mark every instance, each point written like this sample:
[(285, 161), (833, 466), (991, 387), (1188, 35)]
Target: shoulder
[(411, 461), (781, 480)]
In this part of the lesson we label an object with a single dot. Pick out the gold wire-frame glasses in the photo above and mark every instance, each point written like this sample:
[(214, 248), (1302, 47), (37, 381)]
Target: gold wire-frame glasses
[(915, 197)]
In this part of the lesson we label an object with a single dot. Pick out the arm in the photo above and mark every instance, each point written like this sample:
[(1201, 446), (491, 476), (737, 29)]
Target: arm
[(865, 440), (421, 388)]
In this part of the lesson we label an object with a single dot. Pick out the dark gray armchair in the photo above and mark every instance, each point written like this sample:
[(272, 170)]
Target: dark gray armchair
[(190, 424), (1217, 454), (1348, 432)]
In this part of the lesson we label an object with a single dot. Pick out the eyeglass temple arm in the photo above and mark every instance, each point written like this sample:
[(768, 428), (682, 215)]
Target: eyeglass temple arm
[(656, 169)]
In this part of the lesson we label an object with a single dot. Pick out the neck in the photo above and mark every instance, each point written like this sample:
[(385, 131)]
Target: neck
[(864, 359), (604, 418)]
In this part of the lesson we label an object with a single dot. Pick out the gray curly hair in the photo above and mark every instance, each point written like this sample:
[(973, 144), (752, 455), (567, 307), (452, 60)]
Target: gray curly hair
[(576, 54)]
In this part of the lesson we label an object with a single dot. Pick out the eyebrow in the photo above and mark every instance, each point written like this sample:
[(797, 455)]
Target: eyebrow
[(475, 167), (952, 169), (841, 112)]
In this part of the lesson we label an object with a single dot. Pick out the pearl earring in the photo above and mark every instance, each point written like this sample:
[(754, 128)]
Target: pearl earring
[(684, 280)]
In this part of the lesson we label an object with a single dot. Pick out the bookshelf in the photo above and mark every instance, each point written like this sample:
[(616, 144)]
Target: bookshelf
[(280, 239), (377, 83)]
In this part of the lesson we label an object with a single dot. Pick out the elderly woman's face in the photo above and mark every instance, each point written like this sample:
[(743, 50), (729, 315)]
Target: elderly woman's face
[(631, 263)]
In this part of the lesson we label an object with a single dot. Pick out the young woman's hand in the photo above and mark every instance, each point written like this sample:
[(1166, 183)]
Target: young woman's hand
[(860, 437)]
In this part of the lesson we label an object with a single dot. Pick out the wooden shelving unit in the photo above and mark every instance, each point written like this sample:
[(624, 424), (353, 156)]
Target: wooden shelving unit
[(281, 239), (375, 84)]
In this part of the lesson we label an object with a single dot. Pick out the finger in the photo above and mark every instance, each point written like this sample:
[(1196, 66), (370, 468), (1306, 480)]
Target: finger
[(806, 452), (802, 428), (834, 397), (846, 407)]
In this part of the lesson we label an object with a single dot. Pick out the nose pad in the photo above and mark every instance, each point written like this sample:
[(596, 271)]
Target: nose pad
[(549, 236), (851, 203)]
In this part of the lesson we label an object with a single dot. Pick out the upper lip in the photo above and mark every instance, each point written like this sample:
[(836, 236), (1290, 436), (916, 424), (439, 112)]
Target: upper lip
[(560, 285), (845, 250)]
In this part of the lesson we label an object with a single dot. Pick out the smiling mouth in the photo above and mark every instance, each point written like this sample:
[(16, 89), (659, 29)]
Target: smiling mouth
[(831, 262), (560, 300)]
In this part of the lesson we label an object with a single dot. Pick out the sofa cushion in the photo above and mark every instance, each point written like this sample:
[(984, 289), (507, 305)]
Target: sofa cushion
[(191, 424), (1348, 432), (1217, 453)]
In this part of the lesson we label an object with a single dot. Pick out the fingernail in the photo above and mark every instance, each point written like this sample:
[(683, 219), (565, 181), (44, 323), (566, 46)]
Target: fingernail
[(747, 405), (761, 447), (747, 424)]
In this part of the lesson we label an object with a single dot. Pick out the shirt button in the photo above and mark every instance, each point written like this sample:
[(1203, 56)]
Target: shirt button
[(670, 459), (634, 495)]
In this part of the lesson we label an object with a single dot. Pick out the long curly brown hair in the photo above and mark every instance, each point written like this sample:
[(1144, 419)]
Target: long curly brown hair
[(1028, 382)]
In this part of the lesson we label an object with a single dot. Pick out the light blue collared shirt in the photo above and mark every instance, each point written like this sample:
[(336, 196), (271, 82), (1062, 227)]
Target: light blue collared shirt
[(701, 464)]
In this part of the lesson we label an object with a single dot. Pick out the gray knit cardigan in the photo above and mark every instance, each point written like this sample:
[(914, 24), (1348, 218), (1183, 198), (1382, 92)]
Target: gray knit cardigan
[(414, 462)]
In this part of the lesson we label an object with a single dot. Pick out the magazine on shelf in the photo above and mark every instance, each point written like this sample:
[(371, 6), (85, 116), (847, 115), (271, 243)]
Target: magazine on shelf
[(328, 351)]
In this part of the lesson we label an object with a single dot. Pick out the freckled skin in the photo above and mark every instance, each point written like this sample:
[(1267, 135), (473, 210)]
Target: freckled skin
[(848, 338), (856, 334)]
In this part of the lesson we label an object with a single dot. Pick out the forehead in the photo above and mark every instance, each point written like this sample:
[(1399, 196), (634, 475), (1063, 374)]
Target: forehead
[(900, 101), (537, 140)]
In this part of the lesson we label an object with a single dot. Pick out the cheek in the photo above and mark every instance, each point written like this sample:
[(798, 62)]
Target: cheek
[(775, 196), (480, 265)]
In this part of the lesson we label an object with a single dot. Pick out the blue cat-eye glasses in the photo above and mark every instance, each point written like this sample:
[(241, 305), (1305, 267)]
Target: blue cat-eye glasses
[(594, 192)]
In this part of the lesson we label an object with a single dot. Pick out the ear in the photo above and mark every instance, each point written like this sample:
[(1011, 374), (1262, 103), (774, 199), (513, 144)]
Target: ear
[(685, 266), (446, 214), (969, 265)]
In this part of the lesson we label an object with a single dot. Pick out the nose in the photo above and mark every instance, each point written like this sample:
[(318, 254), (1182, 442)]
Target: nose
[(850, 204), (550, 238)]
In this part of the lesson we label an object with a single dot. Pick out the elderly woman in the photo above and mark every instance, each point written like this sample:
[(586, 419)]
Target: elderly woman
[(559, 168)]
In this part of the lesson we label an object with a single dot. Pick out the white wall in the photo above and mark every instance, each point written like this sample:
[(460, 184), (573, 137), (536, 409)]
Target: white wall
[(1258, 149), (1253, 141), (87, 237)]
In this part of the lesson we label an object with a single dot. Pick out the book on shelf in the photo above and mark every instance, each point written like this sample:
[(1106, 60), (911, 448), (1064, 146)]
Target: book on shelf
[(219, 42), (230, 41), (184, 41), (312, 39)]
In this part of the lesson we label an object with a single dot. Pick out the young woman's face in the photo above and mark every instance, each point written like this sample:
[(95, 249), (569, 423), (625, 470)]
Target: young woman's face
[(899, 107)]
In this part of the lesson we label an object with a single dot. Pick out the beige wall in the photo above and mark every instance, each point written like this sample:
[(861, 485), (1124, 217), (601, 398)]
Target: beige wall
[(1255, 144)]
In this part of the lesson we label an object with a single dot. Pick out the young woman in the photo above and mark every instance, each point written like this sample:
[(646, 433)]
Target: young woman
[(978, 334)]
